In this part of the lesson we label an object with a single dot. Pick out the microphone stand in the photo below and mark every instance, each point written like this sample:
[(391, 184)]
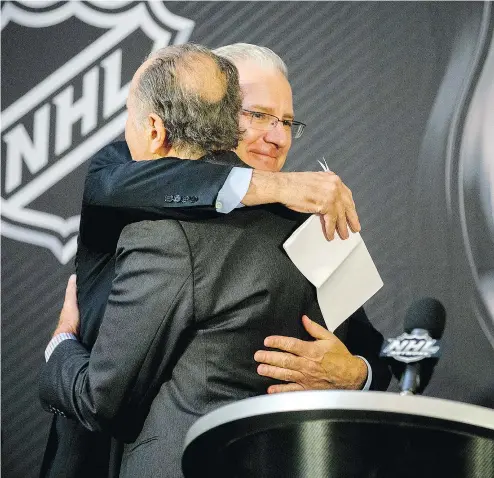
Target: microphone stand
[(410, 381)]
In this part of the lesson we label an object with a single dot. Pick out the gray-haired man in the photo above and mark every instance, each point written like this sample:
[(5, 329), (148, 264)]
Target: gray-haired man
[(150, 264), (119, 191)]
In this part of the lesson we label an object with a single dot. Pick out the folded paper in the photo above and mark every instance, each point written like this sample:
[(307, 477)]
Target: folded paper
[(342, 270)]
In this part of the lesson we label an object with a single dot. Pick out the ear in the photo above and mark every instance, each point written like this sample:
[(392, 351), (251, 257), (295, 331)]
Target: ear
[(156, 133)]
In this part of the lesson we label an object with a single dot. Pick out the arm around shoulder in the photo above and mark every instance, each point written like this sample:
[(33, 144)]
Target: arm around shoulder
[(158, 186)]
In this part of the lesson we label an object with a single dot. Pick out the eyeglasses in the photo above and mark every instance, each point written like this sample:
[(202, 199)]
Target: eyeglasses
[(267, 122)]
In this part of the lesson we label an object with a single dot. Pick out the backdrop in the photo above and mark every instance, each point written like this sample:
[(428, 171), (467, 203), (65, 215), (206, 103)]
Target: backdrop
[(395, 96)]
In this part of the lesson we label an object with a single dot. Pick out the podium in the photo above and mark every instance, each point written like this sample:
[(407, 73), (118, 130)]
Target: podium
[(340, 434)]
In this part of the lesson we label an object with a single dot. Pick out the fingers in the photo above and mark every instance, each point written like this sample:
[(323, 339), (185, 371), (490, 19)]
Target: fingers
[(329, 221), (350, 210), (341, 223), (323, 225), (353, 220), (279, 373), (316, 330), (286, 387), (69, 315), (333, 209), (322, 193), (71, 293), (346, 214), (287, 344), (282, 360)]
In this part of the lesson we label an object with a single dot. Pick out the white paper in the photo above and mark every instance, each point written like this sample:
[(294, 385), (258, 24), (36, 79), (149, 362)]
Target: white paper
[(342, 270), (313, 255)]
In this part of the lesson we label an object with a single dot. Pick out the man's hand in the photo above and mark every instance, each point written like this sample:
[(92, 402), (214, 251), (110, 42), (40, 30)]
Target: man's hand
[(321, 193), (320, 365), (69, 316)]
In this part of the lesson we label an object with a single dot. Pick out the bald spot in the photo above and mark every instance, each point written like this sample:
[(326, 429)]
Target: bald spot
[(200, 74)]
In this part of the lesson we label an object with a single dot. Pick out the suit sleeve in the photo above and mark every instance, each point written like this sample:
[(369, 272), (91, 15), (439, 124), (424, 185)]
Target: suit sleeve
[(149, 312), (161, 187), (363, 339)]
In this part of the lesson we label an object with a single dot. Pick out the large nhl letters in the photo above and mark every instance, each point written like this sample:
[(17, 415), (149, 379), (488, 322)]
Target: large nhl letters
[(76, 106), (395, 95)]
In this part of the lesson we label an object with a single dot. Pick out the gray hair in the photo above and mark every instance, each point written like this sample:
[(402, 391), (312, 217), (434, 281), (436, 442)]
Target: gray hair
[(196, 94), (261, 55)]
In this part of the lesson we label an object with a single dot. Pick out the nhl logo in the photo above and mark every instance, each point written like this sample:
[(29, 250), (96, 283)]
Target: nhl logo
[(411, 347), (69, 69)]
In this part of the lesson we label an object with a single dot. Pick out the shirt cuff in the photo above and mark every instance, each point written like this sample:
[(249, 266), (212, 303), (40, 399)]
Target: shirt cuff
[(233, 191), (57, 339), (369, 374)]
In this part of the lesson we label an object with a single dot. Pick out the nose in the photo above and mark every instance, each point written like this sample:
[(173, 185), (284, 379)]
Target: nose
[(279, 135)]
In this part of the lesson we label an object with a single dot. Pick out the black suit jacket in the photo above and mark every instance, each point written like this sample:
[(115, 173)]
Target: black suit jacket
[(190, 304), (119, 191)]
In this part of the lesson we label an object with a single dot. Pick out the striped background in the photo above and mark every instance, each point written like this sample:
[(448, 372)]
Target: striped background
[(364, 77)]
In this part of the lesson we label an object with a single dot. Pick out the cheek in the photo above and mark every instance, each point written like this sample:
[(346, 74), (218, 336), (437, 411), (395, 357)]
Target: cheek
[(246, 140), (253, 136)]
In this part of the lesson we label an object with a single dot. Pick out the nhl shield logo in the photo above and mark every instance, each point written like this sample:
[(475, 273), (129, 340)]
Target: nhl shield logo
[(63, 103)]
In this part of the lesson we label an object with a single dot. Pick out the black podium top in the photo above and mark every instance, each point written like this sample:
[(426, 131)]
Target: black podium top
[(342, 434)]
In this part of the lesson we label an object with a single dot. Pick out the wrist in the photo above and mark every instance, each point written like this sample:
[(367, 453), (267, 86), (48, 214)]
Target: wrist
[(284, 189), (263, 188), (361, 372), (65, 330), (55, 341)]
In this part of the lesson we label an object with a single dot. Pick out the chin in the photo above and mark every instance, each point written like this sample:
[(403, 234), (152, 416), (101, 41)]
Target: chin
[(264, 163)]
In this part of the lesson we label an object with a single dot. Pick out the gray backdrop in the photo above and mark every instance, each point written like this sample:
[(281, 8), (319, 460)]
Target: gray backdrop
[(394, 96)]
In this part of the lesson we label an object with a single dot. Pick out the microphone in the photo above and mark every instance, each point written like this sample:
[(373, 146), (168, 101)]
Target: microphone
[(419, 347)]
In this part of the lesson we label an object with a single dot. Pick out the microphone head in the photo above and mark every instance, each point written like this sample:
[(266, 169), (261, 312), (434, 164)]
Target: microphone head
[(428, 314)]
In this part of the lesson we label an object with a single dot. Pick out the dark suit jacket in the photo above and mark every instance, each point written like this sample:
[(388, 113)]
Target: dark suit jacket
[(190, 304), (119, 191)]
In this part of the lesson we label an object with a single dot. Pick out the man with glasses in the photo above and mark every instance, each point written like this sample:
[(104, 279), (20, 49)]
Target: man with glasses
[(192, 301), (265, 121), (262, 121), (120, 191)]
